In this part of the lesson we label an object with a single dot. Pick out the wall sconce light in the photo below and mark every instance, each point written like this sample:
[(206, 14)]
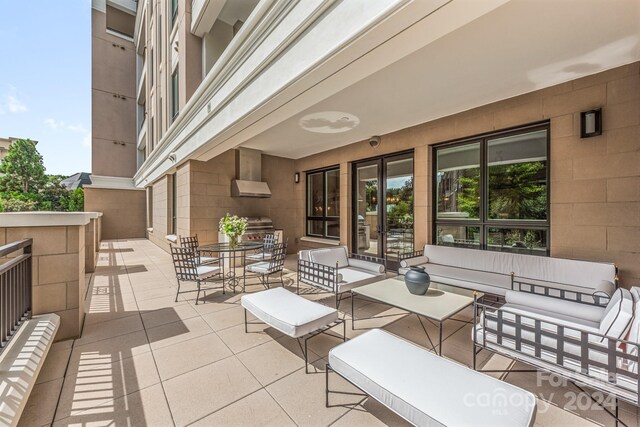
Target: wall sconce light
[(296, 177), (591, 123)]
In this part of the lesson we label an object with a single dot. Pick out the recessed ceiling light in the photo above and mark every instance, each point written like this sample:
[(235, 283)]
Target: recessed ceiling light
[(329, 122)]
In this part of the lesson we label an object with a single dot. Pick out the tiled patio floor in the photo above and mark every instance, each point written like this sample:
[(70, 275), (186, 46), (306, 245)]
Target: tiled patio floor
[(144, 359)]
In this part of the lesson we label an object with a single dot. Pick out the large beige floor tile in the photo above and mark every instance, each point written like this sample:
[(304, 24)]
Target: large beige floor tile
[(275, 359), (113, 328), (147, 407), (173, 333), (188, 355), (41, 404), (201, 392), (111, 350), (162, 316), (257, 409), (225, 319), (102, 382), (238, 340), (55, 364), (302, 396)]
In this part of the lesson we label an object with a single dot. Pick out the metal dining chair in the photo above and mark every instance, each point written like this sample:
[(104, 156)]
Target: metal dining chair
[(187, 270), (191, 242), (265, 269), (268, 241)]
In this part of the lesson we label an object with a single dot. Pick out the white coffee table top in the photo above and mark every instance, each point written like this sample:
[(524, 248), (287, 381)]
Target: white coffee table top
[(439, 303)]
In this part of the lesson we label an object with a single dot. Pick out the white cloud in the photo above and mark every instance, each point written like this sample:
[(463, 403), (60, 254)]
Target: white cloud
[(14, 105), (62, 125), (11, 102), (86, 141)]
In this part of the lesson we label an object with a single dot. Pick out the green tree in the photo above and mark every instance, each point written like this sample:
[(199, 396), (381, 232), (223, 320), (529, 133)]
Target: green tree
[(23, 168), (76, 200)]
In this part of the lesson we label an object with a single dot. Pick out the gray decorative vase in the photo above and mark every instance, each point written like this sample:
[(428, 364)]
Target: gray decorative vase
[(417, 280)]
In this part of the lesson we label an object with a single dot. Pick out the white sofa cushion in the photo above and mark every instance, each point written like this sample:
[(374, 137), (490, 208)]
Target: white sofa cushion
[(330, 256), (373, 267), (287, 312), (634, 332), (567, 308), (617, 315), (352, 277), (425, 389), (553, 317)]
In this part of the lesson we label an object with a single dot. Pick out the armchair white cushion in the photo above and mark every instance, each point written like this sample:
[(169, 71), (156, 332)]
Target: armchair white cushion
[(617, 315), (569, 308), (330, 257)]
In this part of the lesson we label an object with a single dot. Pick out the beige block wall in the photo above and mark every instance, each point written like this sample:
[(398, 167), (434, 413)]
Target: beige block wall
[(123, 211), (113, 93), (58, 263), (595, 182), (161, 213)]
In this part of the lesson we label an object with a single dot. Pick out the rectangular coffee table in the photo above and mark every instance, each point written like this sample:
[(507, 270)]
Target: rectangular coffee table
[(440, 303)]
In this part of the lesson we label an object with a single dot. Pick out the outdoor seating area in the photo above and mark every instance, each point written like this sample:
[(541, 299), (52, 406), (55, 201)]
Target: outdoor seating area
[(145, 358)]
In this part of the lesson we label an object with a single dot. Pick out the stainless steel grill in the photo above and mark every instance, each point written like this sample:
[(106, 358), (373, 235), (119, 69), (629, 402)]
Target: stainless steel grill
[(257, 228)]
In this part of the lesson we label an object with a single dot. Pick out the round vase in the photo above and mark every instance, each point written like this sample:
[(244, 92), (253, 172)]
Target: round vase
[(417, 280)]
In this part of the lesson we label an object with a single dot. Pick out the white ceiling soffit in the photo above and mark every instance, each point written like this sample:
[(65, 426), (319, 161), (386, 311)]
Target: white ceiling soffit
[(415, 24), (519, 47)]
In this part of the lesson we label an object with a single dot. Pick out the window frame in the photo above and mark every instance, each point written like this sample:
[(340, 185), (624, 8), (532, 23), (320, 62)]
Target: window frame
[(324, 218), (484, 222), (175, 94), (174, 12)]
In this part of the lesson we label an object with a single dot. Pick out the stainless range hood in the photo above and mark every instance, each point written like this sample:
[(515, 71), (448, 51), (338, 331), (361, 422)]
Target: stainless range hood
[(248, 182)]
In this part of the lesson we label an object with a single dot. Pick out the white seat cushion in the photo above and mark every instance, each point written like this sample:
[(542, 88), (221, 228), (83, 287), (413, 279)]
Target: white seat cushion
[(425, 389), (617, 315), (208, 260), (259, 256), (352, 277), (289, 313), (634, 332), (330, 256), (206, 271), (259, 267)]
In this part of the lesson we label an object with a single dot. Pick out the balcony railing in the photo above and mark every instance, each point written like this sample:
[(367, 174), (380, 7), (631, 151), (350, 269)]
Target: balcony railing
[(15, 288)]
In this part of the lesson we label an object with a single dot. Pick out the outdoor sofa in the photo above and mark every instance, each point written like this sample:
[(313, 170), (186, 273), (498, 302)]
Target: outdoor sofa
[(588, 344), (334, 270), (498, 272), (426, 389)]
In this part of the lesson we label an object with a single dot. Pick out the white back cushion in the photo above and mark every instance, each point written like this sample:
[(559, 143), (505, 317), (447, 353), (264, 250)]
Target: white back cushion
[(618, 314), (330, 256), (473, 259), (566, 271)]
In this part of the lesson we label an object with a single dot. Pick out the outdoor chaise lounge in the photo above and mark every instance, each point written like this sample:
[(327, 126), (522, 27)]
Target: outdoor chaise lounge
[(498, 272), (425, 389), (292, 315), (334, 270), (587, 344)]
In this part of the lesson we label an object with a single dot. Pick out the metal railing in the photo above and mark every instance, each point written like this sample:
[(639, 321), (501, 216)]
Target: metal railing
[(15, 288)]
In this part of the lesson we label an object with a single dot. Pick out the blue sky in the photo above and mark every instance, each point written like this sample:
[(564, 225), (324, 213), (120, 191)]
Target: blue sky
[(45, 79)]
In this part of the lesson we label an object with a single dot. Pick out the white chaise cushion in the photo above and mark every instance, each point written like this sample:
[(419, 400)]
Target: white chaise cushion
[(330, 256), (550, 304), (617, 315), (289, 313), (428, 390)]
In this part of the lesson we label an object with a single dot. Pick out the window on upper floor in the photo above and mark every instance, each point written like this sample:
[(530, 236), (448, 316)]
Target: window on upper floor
[(120, 22), (492, 192), (174, 12), (175, 95), (323, 203)]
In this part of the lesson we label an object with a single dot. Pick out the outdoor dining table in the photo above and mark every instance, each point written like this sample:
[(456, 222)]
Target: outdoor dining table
[(232, 253)]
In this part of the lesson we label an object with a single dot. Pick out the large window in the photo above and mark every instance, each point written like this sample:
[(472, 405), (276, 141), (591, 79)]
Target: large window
[(174, 11), (492, 192), (174, 95), (323, 203)]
